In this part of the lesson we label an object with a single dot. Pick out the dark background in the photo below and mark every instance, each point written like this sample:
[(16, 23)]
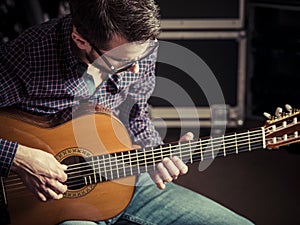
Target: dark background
[(264, 185)]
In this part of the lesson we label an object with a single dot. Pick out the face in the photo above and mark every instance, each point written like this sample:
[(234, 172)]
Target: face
[(123, 55)]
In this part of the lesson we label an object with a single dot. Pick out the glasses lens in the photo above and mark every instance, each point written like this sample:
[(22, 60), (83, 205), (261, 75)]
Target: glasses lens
[(123, 66), (117, 66)]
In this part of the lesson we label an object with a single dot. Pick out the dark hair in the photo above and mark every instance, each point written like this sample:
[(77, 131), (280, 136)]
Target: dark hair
[(98, 20)]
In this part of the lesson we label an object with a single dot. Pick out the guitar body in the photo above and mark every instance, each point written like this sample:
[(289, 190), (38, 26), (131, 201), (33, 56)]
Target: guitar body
[(87, 135)]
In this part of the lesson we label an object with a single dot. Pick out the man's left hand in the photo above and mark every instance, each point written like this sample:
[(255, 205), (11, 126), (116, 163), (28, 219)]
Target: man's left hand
[(169, 169)]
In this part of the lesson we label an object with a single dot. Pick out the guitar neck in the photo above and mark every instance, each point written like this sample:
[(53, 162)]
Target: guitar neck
[(133, 162)]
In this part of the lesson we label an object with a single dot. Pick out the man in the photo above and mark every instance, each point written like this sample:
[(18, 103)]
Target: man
[(51, 68)]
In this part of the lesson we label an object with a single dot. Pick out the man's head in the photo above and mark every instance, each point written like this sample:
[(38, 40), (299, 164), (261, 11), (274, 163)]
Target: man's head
[(98, 21), (128, 26)]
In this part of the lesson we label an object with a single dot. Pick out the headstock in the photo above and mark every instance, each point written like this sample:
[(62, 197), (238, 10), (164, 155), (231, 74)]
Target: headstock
[(283, 128)]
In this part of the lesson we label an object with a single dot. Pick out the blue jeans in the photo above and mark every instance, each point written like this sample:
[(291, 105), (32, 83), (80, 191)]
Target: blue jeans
[(175, 205)]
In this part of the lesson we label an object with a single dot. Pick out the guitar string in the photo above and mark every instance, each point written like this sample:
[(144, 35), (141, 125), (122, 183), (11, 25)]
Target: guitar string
[(203, 141), (217, 146), (183, 146), (185, 151), (76, 184), (269, 130), (133, 169), (111, 170), (10, 187), (183, 155), (123, 168), (205, 153), (220, 141)]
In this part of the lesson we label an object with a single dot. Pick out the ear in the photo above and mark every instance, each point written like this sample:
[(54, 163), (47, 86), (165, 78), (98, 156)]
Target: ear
[(79, 40)]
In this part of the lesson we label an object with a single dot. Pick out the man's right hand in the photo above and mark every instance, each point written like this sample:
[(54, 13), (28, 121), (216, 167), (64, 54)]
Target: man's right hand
[(40, 172)]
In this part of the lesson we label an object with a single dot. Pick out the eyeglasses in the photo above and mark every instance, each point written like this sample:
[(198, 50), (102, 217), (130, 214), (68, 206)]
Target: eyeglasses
[(125, 65)]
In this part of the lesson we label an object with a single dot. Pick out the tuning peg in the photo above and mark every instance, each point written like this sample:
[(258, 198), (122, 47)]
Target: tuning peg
[(278, 111), (289, 108), (267, 115)]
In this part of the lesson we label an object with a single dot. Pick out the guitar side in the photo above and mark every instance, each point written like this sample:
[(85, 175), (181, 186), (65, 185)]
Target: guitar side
[(87, 135)]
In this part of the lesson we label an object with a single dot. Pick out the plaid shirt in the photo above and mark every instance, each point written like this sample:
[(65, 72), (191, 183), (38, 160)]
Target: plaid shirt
[(40, 74)]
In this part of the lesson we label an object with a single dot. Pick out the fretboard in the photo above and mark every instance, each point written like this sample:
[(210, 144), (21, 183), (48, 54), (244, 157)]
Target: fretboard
[(133, 162)]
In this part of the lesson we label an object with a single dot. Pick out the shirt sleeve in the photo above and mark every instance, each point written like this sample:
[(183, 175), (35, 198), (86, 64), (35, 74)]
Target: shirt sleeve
[(134, 112), (10, 94), (7, 154)]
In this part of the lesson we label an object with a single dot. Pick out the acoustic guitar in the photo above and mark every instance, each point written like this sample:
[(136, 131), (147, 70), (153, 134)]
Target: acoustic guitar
[(103, 164)]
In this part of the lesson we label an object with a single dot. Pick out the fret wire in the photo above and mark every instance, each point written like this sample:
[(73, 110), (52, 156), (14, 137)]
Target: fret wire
[(105, 172), (117, 165), (113, 166), (142, 161), (145, 159), (212, 147), (99, 169), (201, 149), (110, 167), (153, 158), (249, 141), (95, 178), (224, 145), (236, 144), (191, 157), (90, 179), (123, 161), (130, 163), (137, 160), (180, 151)]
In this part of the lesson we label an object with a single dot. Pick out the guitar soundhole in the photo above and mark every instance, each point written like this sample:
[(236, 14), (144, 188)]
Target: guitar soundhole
[(79, 172)]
